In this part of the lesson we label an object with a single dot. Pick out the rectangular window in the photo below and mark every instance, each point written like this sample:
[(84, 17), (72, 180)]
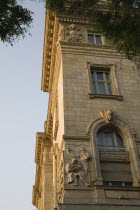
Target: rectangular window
[(95, 39), (100, 81)]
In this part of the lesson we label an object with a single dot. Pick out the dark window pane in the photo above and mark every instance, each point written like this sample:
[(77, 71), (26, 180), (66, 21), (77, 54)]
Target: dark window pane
[(98, 39), (100, 138), (109, 89), (94, 87), (128, 184), (119, 140), (91, 39), (109, 139), (101, 87), (116, 183), (100, 75), (107, 76), (92, 75)]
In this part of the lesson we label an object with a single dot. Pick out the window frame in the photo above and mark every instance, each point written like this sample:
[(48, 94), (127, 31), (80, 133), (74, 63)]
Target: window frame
[(129, 156), (115, 147), (95, 40), (113, 81), (98, 81)]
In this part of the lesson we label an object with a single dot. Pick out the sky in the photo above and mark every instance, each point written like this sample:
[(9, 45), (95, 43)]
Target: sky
[(23, 110)]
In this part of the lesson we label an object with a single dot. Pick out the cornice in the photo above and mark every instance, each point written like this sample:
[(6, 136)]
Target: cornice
[(76, 138), (49, 125), (70, 19), (42, 141), (35, 195), (40, 136), (47, 52)]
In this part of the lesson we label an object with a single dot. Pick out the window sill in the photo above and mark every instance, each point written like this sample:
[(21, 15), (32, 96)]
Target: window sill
[(117, 97)]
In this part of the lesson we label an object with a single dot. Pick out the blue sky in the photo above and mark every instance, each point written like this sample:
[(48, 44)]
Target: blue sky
[(22, 113)]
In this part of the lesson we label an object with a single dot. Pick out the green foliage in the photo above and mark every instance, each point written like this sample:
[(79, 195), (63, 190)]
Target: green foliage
[(120, 23), (56, 5), (14, 20)]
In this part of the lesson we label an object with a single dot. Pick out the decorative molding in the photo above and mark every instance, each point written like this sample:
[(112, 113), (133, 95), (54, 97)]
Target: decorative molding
[(47, 148), (35, 196), (87, 133), (53, 56), (56, 129), (81, 48), (118, 97), (55, 150), (131, 130), (69, 19), (75, 138), (60, 181), (43, 146), (47, 54), (49, 126), (39, 149), (50, 40)]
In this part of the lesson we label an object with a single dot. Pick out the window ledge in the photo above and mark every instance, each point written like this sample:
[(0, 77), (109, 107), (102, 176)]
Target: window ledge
[(117, 97)]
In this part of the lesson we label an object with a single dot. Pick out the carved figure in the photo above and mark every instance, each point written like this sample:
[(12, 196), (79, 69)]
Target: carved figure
[(73, 33), (84, 160), (78, 168), (108, 115)]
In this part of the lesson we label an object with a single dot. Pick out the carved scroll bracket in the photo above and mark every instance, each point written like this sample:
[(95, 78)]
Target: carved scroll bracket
[(47, 147)]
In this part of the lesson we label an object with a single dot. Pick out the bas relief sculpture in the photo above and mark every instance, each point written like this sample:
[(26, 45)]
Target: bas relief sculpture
[(73, 33), (78, 168)]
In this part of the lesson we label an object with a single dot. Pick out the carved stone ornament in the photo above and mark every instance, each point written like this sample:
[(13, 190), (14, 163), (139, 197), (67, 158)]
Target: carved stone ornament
[(78, 168), (47, 147), (47, 143), (108, 116), (74, 33), (60, 182), (45, 156)]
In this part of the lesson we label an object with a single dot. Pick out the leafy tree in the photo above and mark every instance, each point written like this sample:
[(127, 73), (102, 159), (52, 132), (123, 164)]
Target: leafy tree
[(117, 20), (14, 20)]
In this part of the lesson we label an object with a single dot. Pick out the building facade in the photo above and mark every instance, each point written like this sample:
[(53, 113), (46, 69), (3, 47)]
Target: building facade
[(88, 156)]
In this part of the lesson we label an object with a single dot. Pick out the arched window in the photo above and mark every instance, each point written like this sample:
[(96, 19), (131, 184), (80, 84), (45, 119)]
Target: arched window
[(109, 140)]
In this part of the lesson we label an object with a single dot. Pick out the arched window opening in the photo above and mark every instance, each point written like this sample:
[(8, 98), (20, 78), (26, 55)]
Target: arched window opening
[(114, 170), (109, 140)]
